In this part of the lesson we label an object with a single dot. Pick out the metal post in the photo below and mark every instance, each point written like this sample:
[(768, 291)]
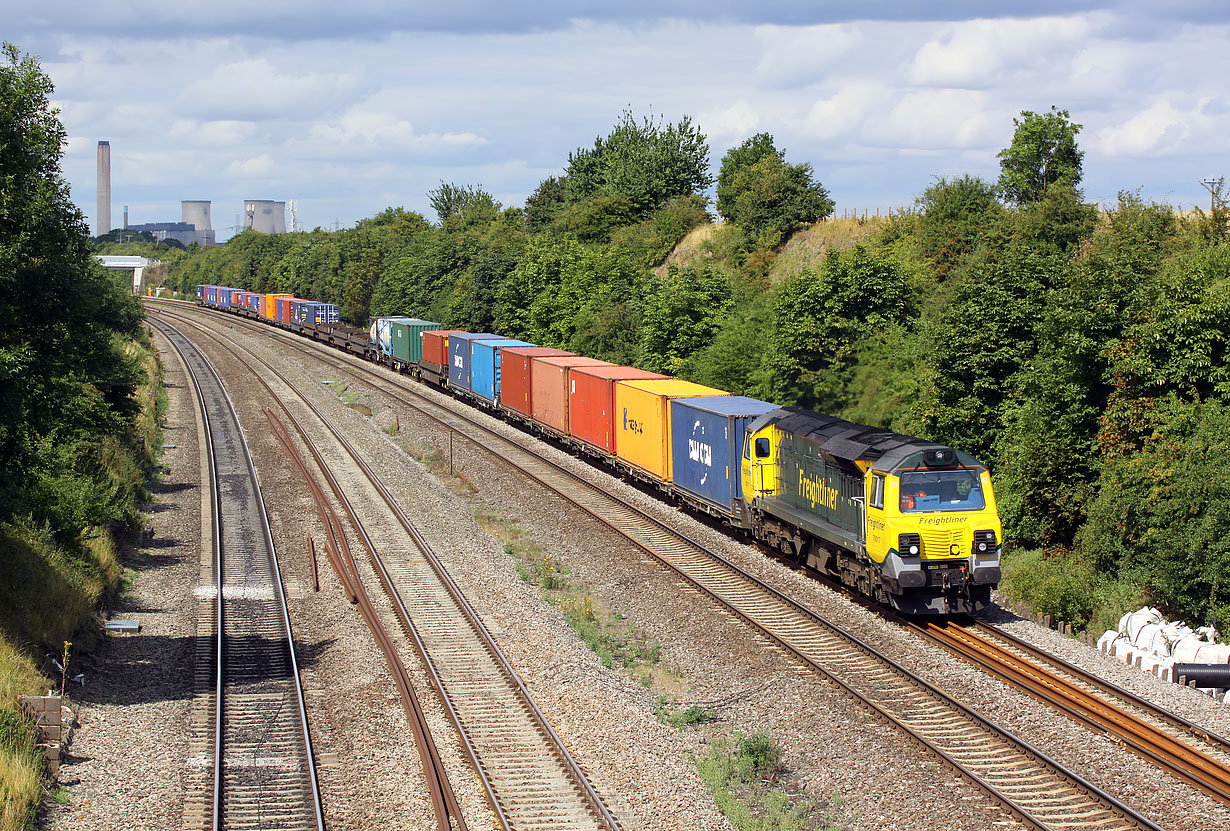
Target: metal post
[(315, 573), (450, 451)]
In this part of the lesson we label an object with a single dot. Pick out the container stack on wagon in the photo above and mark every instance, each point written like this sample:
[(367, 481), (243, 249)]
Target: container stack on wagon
[(516, 387), (591, 403), (549, 395)]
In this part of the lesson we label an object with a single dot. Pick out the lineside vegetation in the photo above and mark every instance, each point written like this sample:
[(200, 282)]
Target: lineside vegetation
[(1081, 353), (80, 399)]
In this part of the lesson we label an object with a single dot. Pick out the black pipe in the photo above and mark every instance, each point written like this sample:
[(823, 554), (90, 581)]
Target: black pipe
[(1215, 676)]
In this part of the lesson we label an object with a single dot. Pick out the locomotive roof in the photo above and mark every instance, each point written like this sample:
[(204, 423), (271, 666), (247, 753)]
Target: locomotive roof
[(849, 442)]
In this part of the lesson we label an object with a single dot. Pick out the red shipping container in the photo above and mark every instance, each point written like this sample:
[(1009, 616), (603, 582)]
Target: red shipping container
[(435, 345), (515, 387), (549, 389), (591, 402), (284, 309)]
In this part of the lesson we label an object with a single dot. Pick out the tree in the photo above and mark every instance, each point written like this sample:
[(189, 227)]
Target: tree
[(646, 161), (956, 213), (736, 160), (758, 190), (66, 383), (450, 200), (1043, 153)]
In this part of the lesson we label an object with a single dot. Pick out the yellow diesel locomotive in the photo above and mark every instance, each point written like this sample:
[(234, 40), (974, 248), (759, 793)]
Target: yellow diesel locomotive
[(908, 522)]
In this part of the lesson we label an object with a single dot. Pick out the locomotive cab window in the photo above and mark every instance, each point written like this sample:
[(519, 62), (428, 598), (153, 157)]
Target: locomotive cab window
[(947, 490), (877, 491), (762, 448)]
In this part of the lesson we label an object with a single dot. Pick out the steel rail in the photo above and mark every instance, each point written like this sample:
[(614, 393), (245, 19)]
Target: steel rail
[(582, 781), (172, 334)]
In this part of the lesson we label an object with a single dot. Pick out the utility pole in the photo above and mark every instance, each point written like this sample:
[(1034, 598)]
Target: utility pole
[(1212, 186)]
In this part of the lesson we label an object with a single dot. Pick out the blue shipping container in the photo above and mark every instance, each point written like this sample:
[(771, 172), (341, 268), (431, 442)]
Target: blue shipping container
[(200, 292), (224, 296), (485, 366), (211, 295), (459, 356), (707, 445)]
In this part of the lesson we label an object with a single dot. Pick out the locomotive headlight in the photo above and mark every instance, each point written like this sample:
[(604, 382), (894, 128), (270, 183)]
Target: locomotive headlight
[(984, 542), (909, 544)]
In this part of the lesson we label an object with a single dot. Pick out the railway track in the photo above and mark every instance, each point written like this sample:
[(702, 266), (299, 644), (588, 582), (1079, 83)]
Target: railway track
[(1186, 750), (1039, 791), (256, 766), (530, 778)]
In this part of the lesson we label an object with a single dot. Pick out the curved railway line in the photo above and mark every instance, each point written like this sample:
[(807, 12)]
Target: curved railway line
[(1039, 791), (530, 778), (263, 770)]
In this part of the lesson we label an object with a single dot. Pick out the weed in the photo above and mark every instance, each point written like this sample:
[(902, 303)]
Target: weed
[(680, 717), (743, 775)]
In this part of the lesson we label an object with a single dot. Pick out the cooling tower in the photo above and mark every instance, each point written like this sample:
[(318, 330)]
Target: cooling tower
[(103, 218), (264, 215), (196, 212)]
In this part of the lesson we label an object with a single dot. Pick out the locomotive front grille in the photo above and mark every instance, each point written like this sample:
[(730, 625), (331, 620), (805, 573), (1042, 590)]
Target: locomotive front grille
[(945, 542)]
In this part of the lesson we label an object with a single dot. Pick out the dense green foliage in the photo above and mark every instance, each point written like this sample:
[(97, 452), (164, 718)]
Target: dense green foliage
[(78, 417), (1084, 357), (763, 194)]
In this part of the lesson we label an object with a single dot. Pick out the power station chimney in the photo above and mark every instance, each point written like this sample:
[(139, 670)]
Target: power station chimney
[(125, 217), (104, 188)]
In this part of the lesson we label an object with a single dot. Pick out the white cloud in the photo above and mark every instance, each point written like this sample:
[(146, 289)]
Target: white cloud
[(979, 53), (188, 132), (730, 125), (1158, 130), (793, 56), (254, 88), (256, 167)]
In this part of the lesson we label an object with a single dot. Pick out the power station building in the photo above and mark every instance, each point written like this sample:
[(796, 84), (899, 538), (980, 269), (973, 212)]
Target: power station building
[(264, 215), (193, 227)]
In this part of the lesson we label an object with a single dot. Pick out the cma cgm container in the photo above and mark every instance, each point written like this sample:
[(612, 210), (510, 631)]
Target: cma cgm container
[(224, 296), (707, 445), (200, 293), (269, 306), (434, 364), (643, 422), (549, 389), (515, 386), (485, 364), (459, 357), (211, 295), (591, 402)]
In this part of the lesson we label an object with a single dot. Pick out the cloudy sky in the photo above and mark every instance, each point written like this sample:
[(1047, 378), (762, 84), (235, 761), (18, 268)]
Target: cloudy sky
[(351, 107)]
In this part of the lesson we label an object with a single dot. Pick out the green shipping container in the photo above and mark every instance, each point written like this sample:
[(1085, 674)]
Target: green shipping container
[(407, 336)]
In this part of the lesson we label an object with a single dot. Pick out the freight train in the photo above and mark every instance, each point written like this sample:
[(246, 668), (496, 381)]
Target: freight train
[(905, 521)]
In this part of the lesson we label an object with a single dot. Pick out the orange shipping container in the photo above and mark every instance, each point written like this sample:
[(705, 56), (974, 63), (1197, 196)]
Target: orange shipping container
[(435, 345), (269, 305), (549, 396), (515, 387), (643, 421), (591, 402)]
